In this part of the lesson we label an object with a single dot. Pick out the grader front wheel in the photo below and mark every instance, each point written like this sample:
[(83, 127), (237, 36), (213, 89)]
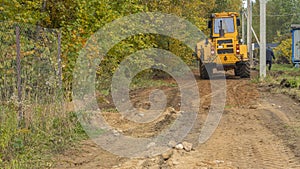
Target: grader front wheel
[(243, 69), (205, 71)]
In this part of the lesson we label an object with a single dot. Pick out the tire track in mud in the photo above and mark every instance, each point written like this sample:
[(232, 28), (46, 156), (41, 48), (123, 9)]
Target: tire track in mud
[(281, 117), (244, 142), (272, 151), (245, 138), (266, 152), (234, 98)]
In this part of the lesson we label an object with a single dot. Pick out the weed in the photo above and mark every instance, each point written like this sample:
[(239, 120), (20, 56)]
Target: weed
[(255, 79), (145, 83), (46, 131), (110, 110), (286, 77), (228, 106)]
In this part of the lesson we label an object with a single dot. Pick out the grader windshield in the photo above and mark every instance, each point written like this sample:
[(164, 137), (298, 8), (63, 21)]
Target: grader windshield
[(223, 23)]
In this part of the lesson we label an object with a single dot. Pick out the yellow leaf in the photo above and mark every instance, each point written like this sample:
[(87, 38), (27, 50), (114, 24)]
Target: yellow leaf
[(24, 131)]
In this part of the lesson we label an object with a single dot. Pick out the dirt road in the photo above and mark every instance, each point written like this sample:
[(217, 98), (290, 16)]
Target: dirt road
[(259, 129)]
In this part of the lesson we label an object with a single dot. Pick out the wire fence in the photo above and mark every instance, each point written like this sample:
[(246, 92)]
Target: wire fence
[(30, 65)]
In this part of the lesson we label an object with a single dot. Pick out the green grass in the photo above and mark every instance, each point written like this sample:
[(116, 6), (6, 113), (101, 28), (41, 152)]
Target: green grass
[(288, 72), (284, 67), (276, 76), (229, 106), (49, 131), (280, 72), (110, 110), (281, 67), (148, 79), (143, 79), (138, 83)]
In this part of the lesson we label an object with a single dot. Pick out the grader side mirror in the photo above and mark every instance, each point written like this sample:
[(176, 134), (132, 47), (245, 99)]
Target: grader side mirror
[(238, 21), (209, 25)]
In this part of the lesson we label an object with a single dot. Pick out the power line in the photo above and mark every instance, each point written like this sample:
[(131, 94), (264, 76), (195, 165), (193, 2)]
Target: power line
[(280, 14)]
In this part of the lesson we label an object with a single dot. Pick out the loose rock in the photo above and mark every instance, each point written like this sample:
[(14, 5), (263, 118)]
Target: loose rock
[(172, 144), (179, 146), (253, 107), (116, 133), (219, 161), (167, 155), (205, 107), (152, 144), (171, 110), (187, 146), (175, 162)]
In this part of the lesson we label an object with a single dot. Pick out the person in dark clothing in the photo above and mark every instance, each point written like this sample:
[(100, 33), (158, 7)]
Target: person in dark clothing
[(269, 56)]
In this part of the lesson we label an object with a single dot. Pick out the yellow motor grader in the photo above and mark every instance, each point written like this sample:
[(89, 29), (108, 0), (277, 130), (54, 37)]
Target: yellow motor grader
[(223, 51)]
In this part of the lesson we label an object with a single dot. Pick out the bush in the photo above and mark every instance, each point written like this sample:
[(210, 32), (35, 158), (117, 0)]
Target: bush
[(283, 52)]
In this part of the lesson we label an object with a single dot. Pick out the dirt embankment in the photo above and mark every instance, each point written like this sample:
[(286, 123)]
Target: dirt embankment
[(258, 130)]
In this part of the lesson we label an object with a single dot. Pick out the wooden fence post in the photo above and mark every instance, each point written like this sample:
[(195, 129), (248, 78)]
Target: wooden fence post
[(59, 60), (19, 82)]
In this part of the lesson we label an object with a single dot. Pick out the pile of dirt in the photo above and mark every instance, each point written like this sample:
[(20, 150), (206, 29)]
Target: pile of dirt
[(141, 130)]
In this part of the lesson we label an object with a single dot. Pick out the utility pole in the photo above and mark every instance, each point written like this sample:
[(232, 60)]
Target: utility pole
[(257, 40), (243, 25), (249, 33), (262, 70)]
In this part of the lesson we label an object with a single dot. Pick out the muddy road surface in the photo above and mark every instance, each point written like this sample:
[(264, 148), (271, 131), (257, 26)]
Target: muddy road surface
[(258, 129)]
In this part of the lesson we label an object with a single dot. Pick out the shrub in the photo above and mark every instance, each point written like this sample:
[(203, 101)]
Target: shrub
[(283, 52)]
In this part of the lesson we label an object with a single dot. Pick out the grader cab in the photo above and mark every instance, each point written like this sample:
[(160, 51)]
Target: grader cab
[(223, 51)]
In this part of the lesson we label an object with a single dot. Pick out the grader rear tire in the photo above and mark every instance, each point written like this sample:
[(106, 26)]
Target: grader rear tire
[(244, 69), (205, 71), (237, 71)]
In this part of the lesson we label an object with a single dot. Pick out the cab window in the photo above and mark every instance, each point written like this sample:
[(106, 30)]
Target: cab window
[(227, 24)]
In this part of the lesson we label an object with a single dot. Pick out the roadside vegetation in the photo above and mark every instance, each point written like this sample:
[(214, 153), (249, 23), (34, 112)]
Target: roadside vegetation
[(45, 130), (283, 78), (287, 79)]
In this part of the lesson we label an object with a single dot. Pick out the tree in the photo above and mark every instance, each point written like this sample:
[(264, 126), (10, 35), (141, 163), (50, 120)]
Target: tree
[(79, 19), (280, 16), (227, 6)]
